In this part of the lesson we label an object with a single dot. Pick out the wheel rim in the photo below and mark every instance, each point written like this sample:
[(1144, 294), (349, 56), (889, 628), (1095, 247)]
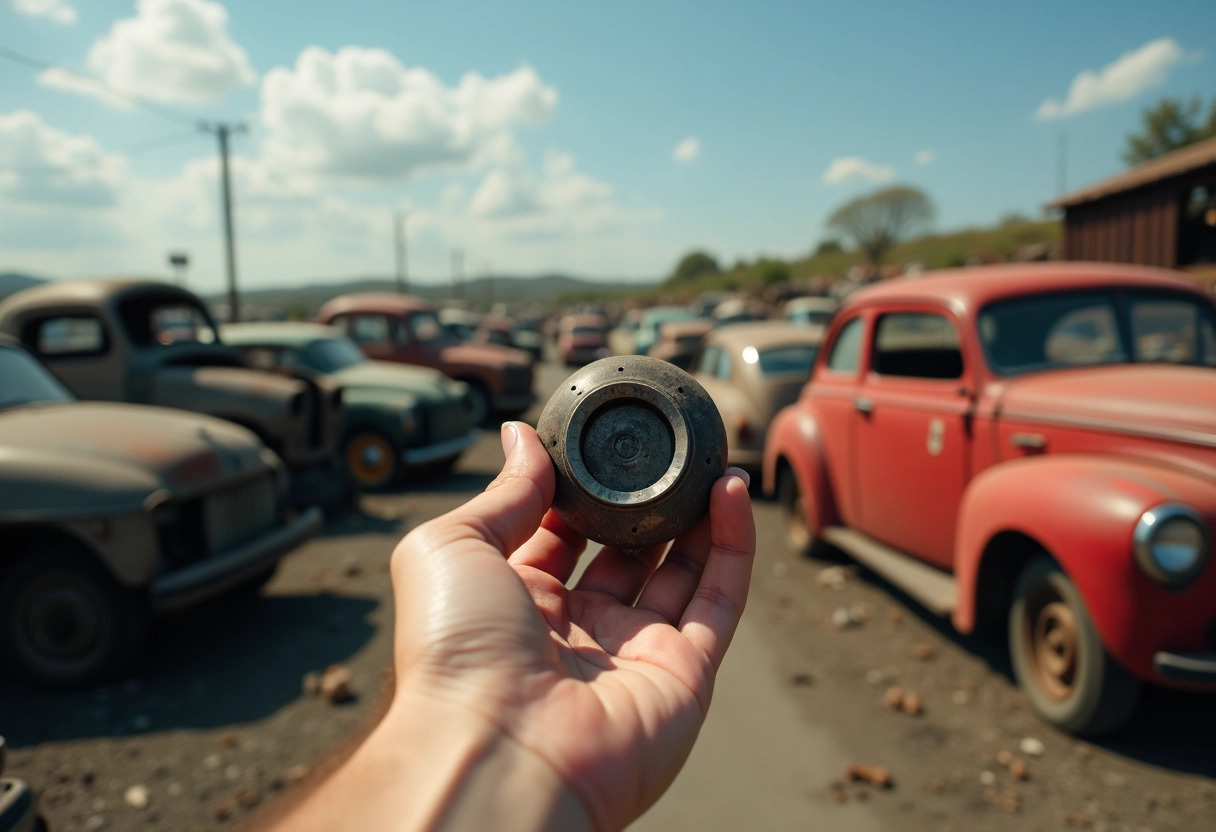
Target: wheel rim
[(61, 621), (1053, 644), (370, 459), (798, 527)]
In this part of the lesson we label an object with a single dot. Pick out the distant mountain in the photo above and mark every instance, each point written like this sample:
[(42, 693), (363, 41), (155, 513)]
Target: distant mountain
[(11, 282), (478, 293)]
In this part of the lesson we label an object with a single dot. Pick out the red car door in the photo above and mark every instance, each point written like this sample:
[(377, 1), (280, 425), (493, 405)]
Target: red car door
[(911, 420), (831, 394)]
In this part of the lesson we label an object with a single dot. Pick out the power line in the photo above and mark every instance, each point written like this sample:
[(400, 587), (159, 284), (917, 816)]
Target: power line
[(138, 101)]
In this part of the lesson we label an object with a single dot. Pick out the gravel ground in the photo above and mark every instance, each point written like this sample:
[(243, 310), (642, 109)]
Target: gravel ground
[(214, 725)]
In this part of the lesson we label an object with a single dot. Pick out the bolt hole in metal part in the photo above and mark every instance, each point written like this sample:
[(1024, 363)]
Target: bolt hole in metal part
[(622, 449)]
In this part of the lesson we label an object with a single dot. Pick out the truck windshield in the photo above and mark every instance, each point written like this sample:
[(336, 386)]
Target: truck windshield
[(27, 382), (1072, 329), (425, 327), (333, 354), (153, 321)]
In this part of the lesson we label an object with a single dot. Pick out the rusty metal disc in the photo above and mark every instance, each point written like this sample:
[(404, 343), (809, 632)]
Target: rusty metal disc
[(637, 444)]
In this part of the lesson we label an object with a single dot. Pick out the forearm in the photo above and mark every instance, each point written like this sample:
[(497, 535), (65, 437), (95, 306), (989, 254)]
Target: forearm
[(430, 766)]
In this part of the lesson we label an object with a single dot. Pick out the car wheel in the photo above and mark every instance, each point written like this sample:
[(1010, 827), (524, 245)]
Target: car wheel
[(66, 622), (1059, 659), (799, 537), (371, 459), (479, 402)]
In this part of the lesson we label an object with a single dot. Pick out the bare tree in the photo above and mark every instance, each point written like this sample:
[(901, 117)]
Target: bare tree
[(878, 221)]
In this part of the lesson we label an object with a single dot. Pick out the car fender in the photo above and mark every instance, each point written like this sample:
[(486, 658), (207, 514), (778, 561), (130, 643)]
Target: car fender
[(1083, 509), (794, 436)]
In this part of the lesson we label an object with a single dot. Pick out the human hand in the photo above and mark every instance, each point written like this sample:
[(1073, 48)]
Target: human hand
[(605, 685)]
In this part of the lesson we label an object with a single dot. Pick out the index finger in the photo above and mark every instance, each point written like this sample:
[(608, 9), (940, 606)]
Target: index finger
[(712, 615)]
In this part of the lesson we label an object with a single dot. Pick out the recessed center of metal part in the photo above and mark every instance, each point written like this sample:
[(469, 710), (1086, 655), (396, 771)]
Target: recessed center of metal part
[(627, 446)]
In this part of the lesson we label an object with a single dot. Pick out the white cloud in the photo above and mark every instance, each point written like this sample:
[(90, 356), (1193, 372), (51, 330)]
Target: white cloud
[(856, 169), (1133, 73), (56, 10), (172, 51), (360, 113), (513, 192), (687, 150), (42, 165), (923, 157)]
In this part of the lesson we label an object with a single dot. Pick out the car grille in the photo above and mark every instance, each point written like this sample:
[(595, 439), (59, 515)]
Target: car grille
[(238, 513), (447, 420)]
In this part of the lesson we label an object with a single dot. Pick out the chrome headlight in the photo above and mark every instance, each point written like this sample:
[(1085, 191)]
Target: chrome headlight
[(1171, 544), (409, 420)]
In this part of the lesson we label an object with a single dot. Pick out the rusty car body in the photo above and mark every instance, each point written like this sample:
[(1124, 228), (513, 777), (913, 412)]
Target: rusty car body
[(145, 342), (397, 417), (1031, 447), (394, 327), (110, 512), (751, 371), (582, 338)]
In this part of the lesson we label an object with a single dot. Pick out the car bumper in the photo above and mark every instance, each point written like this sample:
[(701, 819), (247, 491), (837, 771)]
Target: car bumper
[(1189, 668), (18, 808), (513, 401), (222, 572), (439, 450)]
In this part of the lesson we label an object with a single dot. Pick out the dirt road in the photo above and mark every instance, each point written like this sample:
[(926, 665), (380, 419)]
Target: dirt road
[(214, 725)]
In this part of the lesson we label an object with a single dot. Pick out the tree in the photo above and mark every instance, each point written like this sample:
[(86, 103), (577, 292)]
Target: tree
[(880, 220), (828, 246), (770, 272), (1169, 125), (693, 265)]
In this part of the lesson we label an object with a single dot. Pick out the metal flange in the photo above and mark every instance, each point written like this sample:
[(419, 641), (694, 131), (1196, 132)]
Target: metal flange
[(637, 444)]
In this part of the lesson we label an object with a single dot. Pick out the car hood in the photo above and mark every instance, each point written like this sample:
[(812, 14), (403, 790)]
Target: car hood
[(484, 355), (1170, 401), (427, 385), (174, 449)]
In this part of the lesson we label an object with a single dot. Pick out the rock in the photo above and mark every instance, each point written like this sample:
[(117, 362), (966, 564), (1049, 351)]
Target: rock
[(874, 775), (834, 577), (1004, 757), (227, 739), (247, 798), (311, 684), (894, 698), (1032, 747), (336, 684), (911, 704), (136, 797), (295, 774), (781, 569), (351, 567), (95, 822), (223, 811), (924, 652), (1018, 769), (212, 761), (843, 618), (860, 611), (987, 778), (875, 677), (1008, 801)]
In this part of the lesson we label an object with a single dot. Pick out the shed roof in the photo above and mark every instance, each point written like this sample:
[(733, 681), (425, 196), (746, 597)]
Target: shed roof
[(1180, 161)]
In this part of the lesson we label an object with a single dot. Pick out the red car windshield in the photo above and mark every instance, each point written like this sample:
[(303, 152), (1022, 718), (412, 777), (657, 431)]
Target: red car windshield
[(1071, 329)]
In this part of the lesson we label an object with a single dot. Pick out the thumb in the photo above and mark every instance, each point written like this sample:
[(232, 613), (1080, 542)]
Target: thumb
[(511, 508)]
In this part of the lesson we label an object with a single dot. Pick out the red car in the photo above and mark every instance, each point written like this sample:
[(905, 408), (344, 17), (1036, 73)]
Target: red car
[(1030, 447), (582, 339)]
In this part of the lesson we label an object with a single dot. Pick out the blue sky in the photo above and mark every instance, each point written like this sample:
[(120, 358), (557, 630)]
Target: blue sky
[(542, 136)]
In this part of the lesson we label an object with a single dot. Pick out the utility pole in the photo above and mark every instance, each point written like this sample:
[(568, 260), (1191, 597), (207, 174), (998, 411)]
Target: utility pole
[(399, 219), (1061, 164), (222, 132), (458, 273)]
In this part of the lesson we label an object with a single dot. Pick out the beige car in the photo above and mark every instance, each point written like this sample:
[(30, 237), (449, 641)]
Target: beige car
[(680, 341), (751, 371), (110, 513), (153, 343)]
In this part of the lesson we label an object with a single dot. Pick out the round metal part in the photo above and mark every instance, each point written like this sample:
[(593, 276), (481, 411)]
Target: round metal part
[(637, 444)]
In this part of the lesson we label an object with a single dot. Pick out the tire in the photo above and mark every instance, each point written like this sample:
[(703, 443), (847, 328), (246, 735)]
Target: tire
[(66, 622), (479, 401), (371, 460), (1059, 659), (799, 538)]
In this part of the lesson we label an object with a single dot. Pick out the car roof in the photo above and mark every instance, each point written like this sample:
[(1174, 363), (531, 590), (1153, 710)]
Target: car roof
[(278, 333), (765, 334), (96, 292), (388, 303), (582, 319), (683, 329), (973, 288)]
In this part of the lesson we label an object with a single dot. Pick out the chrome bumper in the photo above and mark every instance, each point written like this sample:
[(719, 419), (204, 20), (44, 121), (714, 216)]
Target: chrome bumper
[(439, 450), (1195, 668), (216, 574)]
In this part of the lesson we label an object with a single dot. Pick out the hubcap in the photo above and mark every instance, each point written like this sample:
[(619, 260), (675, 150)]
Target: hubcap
[(1053, 647), (370, 460), (60, 620)]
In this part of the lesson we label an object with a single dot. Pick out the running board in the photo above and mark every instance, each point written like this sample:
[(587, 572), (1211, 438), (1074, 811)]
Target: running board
[(931, 587)]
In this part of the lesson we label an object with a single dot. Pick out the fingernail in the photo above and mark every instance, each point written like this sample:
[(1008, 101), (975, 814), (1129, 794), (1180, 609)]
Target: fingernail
[(741, 474), (510, 435)]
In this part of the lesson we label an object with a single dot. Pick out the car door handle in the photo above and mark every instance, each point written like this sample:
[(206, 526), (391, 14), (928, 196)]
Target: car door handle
[(863, 406)]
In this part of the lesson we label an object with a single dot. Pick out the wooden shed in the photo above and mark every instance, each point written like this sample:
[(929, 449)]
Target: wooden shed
[(1160, 213)]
